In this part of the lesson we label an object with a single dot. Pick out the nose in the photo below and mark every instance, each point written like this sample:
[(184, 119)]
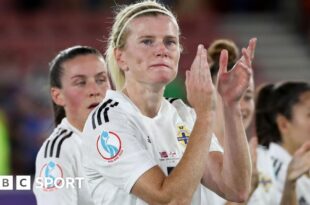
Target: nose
[(161, 50), (243, 104), (94, 90)]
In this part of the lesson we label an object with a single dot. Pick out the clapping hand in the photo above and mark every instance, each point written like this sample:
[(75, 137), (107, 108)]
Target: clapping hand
[(232, 84)]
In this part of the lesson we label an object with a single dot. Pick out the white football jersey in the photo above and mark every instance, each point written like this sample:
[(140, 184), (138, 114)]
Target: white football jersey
[(265, 190), (281, 159), (120, 144), (265, 193), (59, 159)]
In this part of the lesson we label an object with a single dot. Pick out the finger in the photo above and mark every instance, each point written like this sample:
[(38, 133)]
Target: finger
[(242, 70), (205, 70), (222, 65), (223, 61), (196, 60), (251, 47), (246, 57), (195, 68)]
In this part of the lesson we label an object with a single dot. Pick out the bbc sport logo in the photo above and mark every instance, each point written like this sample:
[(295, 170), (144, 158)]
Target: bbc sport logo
[(23, 182)]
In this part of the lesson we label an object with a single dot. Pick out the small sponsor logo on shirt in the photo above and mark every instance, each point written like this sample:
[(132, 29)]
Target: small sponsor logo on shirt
[(109, 146), (163, 154), (183, 134)]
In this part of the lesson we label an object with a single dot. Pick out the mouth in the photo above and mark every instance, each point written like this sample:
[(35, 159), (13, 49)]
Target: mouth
[(244, 115), (93, 105), (159, 65)]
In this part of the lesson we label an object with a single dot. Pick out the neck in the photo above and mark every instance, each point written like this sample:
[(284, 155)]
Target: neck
[(76, 123), (289, 145), (146, 98)]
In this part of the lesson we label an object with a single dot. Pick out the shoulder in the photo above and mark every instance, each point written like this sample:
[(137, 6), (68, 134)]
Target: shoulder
[(263, 156), (110, 111), (58, 144), (185, 112), (176, 102), (61, 151)]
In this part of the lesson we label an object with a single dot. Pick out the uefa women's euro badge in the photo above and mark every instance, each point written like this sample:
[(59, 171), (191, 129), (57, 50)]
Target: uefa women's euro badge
[(109, 146)]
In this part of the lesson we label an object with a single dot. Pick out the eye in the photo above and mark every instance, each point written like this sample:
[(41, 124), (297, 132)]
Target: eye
[(170, 42), (248, 97), (101, 80), (147, 42), (79, 82)]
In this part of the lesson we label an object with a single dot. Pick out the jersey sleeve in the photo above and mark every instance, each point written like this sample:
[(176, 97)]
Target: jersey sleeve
[(186, 113), (115, 150), (55, 177)]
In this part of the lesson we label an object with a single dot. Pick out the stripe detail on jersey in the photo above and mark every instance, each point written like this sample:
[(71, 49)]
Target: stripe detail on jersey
[(98, 112), (277, 165), (105, 113), (46, 147), (171, 100), (60, 143), (54, 141), (103, 108)]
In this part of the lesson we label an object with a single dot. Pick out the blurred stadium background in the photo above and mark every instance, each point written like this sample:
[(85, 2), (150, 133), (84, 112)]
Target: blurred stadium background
[(33, 31)]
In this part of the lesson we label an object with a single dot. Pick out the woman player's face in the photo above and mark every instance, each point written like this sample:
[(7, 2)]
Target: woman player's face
[(152, 51), (298, 128), (84, 84)]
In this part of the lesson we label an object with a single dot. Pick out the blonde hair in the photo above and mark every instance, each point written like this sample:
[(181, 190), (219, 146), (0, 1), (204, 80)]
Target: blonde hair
[(119, 33)]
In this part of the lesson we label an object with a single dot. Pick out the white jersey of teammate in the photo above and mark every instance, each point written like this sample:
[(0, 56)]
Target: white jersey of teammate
[(281, 159), (59, 159), (121, 144), (265, 193)]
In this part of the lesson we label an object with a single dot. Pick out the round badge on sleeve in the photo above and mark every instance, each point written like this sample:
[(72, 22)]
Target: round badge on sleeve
[(51, 175), (109, 146)]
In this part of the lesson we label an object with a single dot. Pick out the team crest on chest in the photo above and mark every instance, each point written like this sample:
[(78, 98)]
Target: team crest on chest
[(183, 134), (265, 181)]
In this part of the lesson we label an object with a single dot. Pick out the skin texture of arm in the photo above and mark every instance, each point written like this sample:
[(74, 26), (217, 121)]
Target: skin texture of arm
[(230, 173), (254, 180)]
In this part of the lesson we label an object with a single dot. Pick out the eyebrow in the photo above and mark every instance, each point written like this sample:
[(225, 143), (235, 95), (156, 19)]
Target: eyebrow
[(78, 76), (83, 76), (101, 73), (150, 36)]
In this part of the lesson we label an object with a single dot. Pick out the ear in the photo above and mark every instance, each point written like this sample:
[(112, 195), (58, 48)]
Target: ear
[(282, 123), (119, 56), (57, 96)]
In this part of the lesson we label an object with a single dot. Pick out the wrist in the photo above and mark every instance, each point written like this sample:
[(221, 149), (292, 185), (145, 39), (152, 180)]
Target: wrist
[(291, 184), (205, 116), (233, 108), (231, 104)]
